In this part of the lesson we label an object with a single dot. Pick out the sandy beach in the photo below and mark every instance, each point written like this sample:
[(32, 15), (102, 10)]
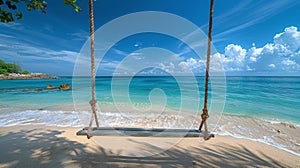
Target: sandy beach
[(144, 73), (44, 146)]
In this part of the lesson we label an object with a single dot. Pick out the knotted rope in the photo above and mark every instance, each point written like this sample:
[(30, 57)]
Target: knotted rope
[(204, 114), (93, 101)]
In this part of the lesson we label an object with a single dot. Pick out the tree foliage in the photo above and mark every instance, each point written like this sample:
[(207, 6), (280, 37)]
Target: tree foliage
[(9, 8), (6, 68), (25, 72)]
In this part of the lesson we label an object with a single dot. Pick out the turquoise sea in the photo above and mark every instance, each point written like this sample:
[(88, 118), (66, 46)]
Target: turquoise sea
[(269, 98), (241, 100)]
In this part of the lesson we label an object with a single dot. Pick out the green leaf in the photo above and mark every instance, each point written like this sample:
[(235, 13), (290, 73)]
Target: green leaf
[(28, 6), (8, 14), (19, 15), (72, 3), (5, 16), (76, 8), (69, 2)]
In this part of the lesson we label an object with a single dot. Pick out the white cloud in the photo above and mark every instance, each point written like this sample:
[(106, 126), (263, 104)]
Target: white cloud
[(290, 38), (232, 60), (191, 64), (254, 52), (249, 69), (151, 61), (290, 65), (235, 53), (288, 62), (30, 52), (282, 54), (272, 66), (184, 66), (14, 51), (268, 49), (170, 68)]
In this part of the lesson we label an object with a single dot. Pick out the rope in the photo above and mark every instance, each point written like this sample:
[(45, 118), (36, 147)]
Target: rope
[(93, 101), (204, 114)]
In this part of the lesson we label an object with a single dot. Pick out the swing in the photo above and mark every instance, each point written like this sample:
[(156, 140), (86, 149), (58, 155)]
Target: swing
[(145, 132)]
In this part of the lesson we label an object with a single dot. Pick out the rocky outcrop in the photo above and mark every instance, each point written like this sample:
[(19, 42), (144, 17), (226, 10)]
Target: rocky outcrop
[(64, 86), (38, 90), (32, 90), (14, 76), (50, 87)]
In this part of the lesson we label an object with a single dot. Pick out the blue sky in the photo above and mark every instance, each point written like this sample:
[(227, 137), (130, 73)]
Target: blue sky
[(251, 37)]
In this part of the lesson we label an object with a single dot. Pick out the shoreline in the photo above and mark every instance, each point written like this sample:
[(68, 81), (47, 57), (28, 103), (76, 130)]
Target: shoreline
[(14, 76), (36, 145), (282, 136)]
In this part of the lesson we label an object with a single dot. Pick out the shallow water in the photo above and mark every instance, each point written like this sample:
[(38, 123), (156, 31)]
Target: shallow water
[(253, 107)]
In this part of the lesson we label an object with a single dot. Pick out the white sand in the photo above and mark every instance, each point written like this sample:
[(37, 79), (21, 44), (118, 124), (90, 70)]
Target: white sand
[(41, 146)]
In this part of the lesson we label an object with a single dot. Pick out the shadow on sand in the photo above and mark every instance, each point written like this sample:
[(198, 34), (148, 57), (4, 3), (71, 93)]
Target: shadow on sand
[(45, 148)]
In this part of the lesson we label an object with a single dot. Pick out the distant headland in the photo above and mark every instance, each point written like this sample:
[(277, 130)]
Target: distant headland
[(17, 76), (14, 71)]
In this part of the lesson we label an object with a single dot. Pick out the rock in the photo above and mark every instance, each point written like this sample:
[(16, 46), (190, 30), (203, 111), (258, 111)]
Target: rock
[(50, 87), (64, 86), (32, 90), (38, 90), (28, 90), (25, 90)]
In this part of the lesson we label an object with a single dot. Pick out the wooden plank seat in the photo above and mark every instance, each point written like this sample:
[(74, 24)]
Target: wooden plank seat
[(141, 132)]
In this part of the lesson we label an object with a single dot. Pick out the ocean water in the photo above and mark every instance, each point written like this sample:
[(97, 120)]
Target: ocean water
[(247, 107), (271, 98)]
